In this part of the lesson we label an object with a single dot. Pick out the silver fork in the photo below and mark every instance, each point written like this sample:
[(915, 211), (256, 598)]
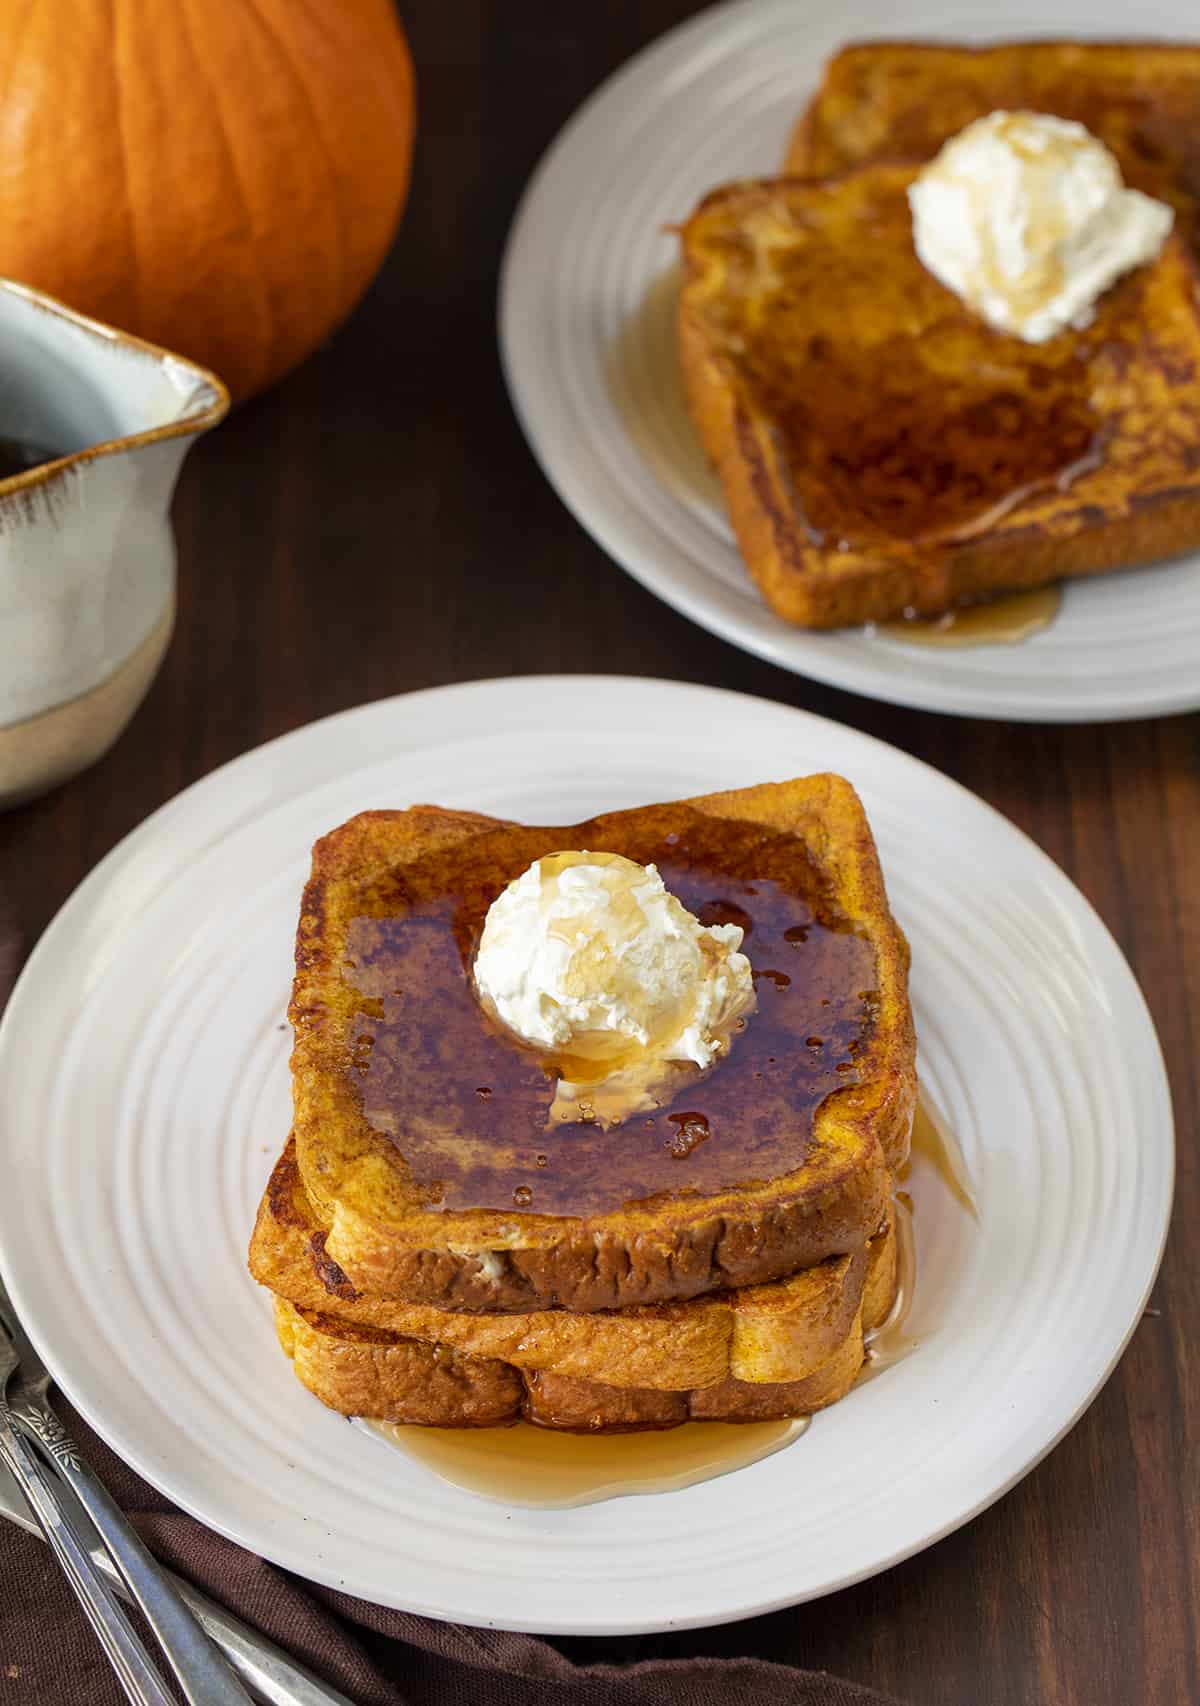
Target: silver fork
[(109, 1623), (30, 1433)]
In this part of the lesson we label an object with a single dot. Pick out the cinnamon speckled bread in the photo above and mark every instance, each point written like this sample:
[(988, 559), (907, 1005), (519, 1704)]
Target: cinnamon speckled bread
[(422, 1135)]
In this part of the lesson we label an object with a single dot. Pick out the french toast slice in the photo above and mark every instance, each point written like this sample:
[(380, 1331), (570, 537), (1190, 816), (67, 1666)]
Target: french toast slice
[(421, 1131), (902, 100), (883, 451), (365, 1371), (767, 1333)]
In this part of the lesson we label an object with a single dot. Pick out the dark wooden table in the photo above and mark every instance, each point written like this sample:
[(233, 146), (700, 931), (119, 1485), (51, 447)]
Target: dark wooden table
[(378, 524)]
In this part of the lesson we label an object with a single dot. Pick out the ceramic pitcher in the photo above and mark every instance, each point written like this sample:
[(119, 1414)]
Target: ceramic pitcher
[(87, 557)]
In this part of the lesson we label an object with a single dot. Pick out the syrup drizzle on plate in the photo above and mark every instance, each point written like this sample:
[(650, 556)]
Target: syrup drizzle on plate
[(539, 1467), (527, 1465), (933, 1141), (934, 1145), (1000, 622)]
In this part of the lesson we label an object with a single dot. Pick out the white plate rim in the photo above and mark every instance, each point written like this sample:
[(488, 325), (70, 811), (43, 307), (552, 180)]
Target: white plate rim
[(744, 620), (417, 704)]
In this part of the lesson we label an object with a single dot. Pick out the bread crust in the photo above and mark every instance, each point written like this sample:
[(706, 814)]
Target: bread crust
[(381, 1235), (778, 1332), (804, 302), (360, 1371)]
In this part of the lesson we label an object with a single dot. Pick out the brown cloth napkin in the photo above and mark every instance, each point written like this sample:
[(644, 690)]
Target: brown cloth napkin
[(48, 1656)]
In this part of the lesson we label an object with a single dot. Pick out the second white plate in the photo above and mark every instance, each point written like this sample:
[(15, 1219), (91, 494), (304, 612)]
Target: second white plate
[(585, 323), (144, 1093)]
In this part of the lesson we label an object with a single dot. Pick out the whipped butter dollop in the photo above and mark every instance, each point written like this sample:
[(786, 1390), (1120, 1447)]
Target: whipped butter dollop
[(1027, 219), (590, 959)]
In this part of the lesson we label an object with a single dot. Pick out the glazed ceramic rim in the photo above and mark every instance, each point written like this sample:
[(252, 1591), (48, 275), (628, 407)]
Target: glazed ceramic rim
[(202, 413), (168, 1070)]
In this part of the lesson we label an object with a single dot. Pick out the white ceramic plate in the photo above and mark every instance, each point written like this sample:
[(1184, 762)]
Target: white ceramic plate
[(144, 1094), (592, 374)]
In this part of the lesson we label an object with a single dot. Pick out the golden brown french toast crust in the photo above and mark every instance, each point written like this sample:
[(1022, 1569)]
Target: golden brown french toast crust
[(904, 99), (799, 1361), (390, 1232), (882, 450), (778, 1332), (361, 1371)]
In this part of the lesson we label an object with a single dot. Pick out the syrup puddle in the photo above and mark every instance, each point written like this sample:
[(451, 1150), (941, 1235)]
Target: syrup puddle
[(531, 1466), (891, 1341), (935, 1147), (1001, 622), (935, 1143), (543, 1469)]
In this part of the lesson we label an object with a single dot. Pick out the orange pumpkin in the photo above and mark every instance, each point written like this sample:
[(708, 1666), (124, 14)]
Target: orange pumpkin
[(220, 176)]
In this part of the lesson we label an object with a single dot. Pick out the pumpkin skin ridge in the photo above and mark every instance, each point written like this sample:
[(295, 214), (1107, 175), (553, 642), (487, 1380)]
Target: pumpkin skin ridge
[(397, 73), (343, 247), (221, 181), (400, 88), (263, 366), (131, 212)]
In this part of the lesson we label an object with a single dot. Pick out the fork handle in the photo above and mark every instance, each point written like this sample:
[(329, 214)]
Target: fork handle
[(266, 1671), (203, 1676), (142, 1684)]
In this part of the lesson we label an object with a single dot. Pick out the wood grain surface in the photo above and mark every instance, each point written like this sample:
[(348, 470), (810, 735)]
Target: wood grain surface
[(377, 524)]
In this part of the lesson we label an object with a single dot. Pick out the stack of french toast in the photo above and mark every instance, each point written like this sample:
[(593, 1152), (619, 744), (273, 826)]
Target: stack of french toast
[(441, 1252), (885, 452)]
